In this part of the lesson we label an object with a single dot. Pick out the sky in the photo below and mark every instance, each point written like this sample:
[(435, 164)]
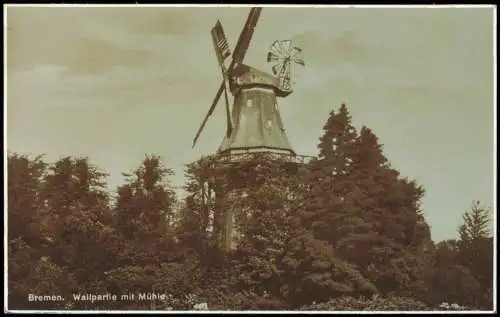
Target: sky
[(114, 84)]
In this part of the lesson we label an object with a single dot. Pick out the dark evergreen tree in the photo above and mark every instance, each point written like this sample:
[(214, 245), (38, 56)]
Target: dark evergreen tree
[(475, 250), (328, 178), (476, 223), (391, 205), (362, 208)]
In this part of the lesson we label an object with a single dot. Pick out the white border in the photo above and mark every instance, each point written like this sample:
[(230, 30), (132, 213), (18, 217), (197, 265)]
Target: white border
[(246, 5), (470, 6), (5, 192), (495, 242)]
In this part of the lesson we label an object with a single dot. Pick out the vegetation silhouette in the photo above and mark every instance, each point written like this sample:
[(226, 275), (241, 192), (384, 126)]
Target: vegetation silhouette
[(345, 231)]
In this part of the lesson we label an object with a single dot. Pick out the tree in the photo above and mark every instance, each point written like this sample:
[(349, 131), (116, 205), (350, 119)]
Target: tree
[(265, 206), (145, 222), (328, 178), (25, 204), (196, 219), (76, 200), (27, 236), (145, 204), (277, 256), (75, 183), (452, 282), (63, 204), (398, 197), (391, 205), (475, 249), (335, 146), (464, 268), (32, 273), (338, 135), (144, 212), (311, 272), (476, 223), (361, 206)]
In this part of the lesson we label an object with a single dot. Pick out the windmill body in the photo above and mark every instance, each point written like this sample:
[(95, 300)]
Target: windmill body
[(255, 118)]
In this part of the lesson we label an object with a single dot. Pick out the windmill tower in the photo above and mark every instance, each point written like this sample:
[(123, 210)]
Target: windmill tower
[(253, 123)]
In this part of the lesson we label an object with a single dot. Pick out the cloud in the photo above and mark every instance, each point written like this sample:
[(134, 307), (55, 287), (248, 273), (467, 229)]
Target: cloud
[(176, 21), (93, 40), (422, 89), (32, 88), (96, 56), (34, 40), (345, 47)]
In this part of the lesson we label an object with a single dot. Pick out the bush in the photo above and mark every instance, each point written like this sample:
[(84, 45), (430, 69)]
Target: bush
[(246, 301), (374, 304), (454, 306)]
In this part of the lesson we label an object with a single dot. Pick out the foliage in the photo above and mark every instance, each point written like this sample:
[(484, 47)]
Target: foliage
[(376, 213), (145, 202), (75, 204), (24, 187), (475, 251), (475, 245), (247, 300), (31, 273), (144, 225), (324, 235), (463, 268), (313, 273)]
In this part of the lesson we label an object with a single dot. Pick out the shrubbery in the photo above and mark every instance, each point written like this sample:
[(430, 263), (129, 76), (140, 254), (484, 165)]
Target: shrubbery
[(373, 304), (247, 301)]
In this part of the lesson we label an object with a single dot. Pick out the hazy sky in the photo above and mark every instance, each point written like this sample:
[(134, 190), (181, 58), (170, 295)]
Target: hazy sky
[(116, 83)]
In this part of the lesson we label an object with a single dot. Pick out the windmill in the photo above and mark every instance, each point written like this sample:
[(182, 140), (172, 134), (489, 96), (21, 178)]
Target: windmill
[(254, 123)]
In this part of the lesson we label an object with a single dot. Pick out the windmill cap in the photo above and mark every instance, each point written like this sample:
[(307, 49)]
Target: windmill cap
[(244, 75)]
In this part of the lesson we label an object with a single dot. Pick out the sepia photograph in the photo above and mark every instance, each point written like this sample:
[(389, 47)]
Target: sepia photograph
[(232, 158)]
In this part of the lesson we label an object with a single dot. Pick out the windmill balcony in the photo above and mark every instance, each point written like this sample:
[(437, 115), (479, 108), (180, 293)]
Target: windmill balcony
[(249, 154)]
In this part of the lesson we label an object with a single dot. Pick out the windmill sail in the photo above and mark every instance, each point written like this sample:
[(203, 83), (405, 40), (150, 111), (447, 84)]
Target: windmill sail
[(222, 52), (246, 36), (220, 43)]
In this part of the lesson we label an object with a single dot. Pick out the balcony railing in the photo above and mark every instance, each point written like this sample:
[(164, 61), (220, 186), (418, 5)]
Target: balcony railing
[(249, 155)]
